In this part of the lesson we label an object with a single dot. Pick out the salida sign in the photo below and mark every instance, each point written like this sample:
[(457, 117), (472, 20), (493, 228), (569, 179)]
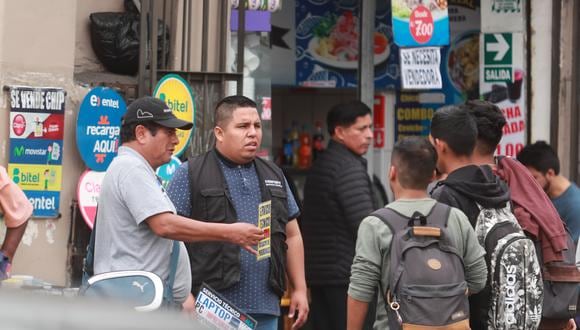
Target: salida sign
[(99, 127)]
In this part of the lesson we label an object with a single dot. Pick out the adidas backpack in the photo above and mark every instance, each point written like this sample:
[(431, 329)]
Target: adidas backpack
[(514, 273), (427, 284)]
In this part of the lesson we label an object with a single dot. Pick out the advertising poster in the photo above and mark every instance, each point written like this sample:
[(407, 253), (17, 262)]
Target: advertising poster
[(264, 223), (503, 83), (460, 60), (99, 127), (420, 23), (502, 15), (420, 68), (413, 113), (175, 91), (88, 191), (215, 311), (165, 172), (36, 134), (327, 34)]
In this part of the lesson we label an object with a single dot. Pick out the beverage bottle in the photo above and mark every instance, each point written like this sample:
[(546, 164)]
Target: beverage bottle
[(305, 150), (295, 139), (317, 140), (287, 148)]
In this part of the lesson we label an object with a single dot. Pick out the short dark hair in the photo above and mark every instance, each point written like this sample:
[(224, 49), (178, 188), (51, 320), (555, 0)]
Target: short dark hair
[(454, 125), (128, 130), (490, 122), (415, 159), (225, 108), (345, 114), (540, 156)]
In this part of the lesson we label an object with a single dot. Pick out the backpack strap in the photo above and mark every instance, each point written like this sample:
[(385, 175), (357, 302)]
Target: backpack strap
[(88, 262), (396, 222), (168, 294)]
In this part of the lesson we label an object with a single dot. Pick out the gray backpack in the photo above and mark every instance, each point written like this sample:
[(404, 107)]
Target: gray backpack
[(515, 279), (427, 284)]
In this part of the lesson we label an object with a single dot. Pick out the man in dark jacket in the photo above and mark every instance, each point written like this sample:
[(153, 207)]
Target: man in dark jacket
[(337, 196), (454, 134)]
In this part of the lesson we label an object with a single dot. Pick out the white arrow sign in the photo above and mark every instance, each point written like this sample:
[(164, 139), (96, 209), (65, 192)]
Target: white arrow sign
[(501, 47)]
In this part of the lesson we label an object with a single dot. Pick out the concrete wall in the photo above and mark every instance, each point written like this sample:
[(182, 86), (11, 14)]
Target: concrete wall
[(540, 71)]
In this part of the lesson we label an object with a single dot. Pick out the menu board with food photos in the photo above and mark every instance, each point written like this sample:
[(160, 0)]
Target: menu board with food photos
[(327, 36)]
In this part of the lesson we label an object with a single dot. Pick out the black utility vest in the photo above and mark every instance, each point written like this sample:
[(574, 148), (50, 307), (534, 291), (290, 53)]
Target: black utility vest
[(218, 263)]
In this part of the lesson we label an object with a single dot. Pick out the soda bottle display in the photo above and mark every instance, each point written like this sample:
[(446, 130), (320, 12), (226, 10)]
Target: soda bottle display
[(287, 147), (305, 150), (295, 139), (317, 140)]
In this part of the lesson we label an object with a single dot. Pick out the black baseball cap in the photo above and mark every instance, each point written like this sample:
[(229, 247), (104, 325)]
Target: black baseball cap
[(147, 108)]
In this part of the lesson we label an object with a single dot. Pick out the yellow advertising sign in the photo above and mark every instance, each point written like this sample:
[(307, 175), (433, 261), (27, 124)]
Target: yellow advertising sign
[(176, 92), (36, 177), (264, 223)]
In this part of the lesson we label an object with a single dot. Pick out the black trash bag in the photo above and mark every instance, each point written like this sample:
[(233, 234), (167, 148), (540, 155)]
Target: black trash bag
[(115, 40), (131, 6)]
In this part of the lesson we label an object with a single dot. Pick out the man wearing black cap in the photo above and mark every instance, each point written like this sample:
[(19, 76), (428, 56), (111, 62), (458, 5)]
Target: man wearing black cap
[(136, 219)]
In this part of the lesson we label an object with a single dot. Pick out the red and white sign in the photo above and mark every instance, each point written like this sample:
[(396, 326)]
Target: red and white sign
[(379, 121), (88, 192), (421, 24)]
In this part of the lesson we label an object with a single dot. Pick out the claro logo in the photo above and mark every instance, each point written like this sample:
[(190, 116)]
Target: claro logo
[(97, 101), (19, 125)]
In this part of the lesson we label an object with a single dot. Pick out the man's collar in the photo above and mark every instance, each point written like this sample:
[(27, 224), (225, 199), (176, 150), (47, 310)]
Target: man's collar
[(230, 163)]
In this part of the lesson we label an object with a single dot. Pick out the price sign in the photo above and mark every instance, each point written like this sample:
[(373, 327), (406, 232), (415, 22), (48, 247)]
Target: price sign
[(421, 24)]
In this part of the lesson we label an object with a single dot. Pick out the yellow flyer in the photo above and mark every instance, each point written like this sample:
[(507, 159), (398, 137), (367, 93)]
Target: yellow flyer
[(264, 223)]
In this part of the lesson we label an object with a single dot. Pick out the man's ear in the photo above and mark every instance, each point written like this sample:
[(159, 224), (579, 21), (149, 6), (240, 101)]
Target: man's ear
[(550, 174), (339, 133), (392, 173), (219, 133), (140, 133)]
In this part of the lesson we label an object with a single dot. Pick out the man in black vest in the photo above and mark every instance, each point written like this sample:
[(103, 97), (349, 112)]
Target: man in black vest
[(337, 196), (228, 184)]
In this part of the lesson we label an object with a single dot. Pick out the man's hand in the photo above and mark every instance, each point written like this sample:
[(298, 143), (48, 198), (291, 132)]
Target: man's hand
[(245, 234), (299, 303), (571, 325)]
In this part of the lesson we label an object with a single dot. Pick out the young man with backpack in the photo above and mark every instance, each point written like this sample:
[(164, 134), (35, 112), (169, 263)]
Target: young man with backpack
[(534, 212), (512, 298), (444, 261)]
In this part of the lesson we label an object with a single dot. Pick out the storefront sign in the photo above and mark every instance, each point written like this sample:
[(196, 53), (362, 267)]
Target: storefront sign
[(215, 311), (502, 82), (379, 121), (416, 24), (36, 135), (420, 68), (266, 114), (502, 15), (413, 113), (175, 91), (88, 191), (165, 172), (99, 127), (327, 36), (497, 50)]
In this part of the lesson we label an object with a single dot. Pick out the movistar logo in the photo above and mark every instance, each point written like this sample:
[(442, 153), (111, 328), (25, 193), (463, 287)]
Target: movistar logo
[(19, 151)]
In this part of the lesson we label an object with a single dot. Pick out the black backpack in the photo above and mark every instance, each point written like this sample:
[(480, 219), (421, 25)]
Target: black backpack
[(427, 284), (561, 284)]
